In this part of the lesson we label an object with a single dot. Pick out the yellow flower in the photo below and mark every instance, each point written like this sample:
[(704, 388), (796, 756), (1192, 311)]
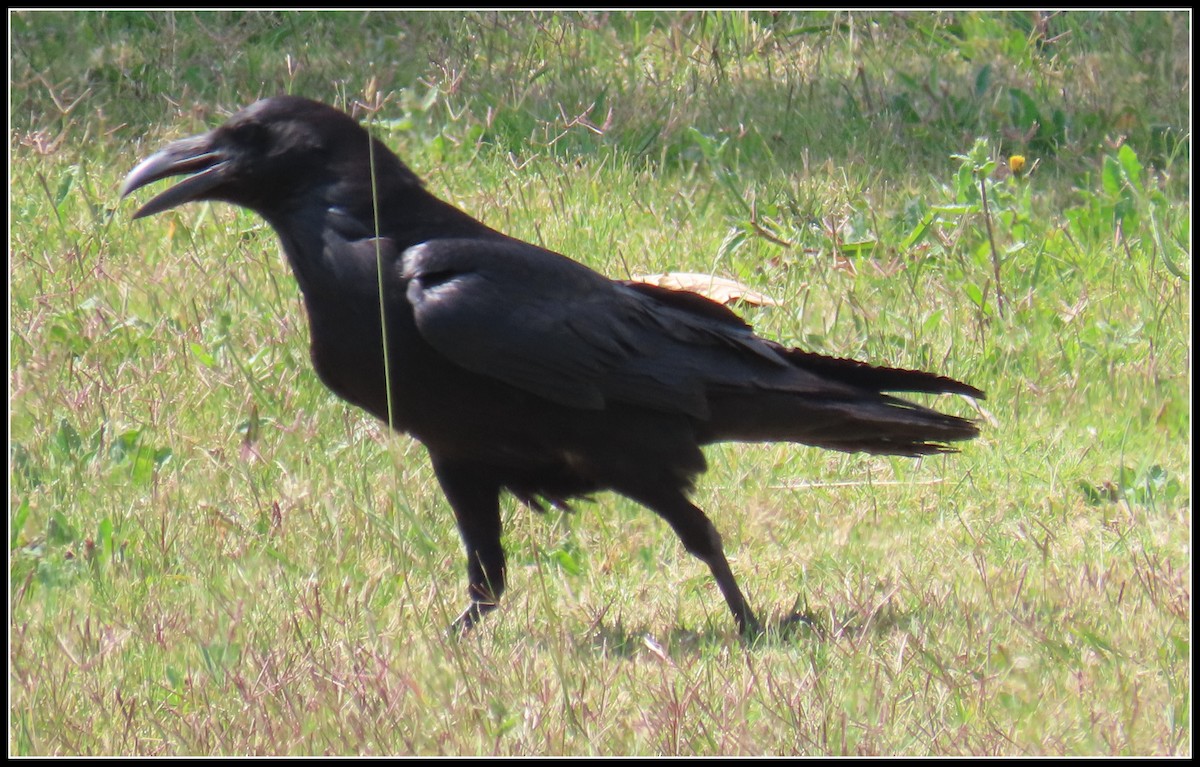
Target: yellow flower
[(1016, 164)]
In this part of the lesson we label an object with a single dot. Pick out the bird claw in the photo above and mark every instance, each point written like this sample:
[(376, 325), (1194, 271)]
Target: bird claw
[(468, 618), (751, 629)]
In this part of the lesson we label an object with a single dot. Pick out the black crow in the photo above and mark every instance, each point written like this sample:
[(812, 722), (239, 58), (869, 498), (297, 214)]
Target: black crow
[(518, 368)]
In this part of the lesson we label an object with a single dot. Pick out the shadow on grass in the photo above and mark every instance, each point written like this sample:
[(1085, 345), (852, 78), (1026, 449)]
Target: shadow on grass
[(797, 628)]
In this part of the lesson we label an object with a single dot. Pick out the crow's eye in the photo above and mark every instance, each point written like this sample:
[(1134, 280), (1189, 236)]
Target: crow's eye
[(252, 135)]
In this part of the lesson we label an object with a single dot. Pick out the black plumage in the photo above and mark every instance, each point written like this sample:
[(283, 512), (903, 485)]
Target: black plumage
[(518, 368)]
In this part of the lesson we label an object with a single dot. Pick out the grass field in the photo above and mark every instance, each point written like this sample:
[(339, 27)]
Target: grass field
[(210, 554)]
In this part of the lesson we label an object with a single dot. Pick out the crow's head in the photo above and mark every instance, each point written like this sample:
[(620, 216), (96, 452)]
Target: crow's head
[(267, 157)]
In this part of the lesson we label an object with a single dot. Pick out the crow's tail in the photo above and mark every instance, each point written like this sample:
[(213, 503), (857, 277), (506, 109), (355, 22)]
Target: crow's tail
[(853, 414)]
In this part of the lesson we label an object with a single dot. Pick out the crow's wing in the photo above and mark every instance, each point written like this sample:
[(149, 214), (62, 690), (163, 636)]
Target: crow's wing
[(553, 327)]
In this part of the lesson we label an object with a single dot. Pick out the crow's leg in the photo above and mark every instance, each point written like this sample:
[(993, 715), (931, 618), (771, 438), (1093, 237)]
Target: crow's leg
[(475, 498), (700, 538)]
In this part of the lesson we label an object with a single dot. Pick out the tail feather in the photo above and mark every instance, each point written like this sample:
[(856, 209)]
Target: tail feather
[(855, 415), (889, 426), (877, 378), (810, 398), (870, 423)]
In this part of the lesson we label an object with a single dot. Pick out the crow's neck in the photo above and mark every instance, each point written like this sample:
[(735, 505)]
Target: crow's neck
[(332, 244)]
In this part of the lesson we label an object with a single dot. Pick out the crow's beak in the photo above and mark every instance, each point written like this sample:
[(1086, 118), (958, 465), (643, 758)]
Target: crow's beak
[(207, 166)]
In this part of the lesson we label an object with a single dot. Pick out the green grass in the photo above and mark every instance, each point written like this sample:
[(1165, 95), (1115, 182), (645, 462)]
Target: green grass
[(210, 554)]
